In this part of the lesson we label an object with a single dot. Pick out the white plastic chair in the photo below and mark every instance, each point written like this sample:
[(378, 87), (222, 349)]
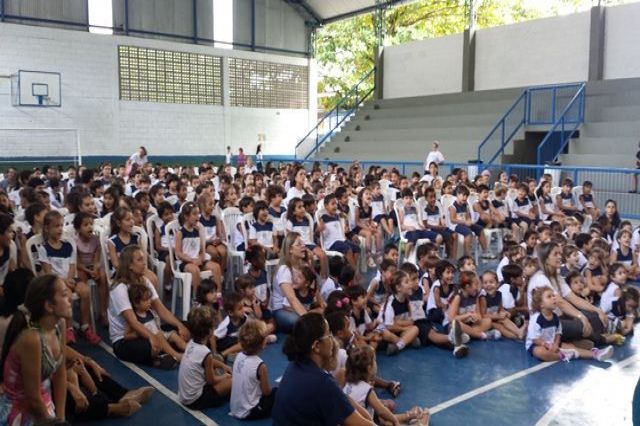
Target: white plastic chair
[(32, 251), (353, 205), (230, 217), (183, 278), (158, 265), (411, 257)]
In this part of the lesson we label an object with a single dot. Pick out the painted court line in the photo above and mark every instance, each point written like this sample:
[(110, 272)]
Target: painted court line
[(486, 388), (200, 416), (557, 408)]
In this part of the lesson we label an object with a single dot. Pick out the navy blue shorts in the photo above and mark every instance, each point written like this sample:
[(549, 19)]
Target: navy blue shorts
[(225, 343), (353, 233), (240, 247), (345, 246), (310, 246), (526, 220), (445, 232), (266, 314), (379, 217), (413, 236), (424, 327), (482, 223), (465, 230)]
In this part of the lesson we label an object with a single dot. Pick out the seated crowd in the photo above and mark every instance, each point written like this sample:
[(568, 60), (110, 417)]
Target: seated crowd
[(305, 241)]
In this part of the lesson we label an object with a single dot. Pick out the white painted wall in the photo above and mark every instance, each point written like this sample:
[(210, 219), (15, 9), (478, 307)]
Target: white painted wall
[(622, 38), (551, 50), (424, 67), (107, 126)]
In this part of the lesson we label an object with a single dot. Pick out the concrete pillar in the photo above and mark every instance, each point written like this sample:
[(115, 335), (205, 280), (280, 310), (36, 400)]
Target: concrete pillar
[(596, 43), (379, 77), (468, 60)]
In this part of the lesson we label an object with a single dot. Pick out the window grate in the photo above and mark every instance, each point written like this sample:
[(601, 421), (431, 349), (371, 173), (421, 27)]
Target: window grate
[(258, 84), (152, 75)]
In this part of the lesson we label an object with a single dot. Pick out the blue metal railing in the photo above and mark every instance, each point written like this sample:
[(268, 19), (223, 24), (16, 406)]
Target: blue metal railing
[(504, 130), (563, 129), (333, 120), (537, 105)]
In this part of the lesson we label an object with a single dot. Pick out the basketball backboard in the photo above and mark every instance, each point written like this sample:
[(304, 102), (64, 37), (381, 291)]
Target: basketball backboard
[(36, 88)]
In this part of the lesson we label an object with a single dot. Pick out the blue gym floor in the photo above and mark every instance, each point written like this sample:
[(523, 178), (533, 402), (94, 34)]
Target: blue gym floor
[(498, 383)]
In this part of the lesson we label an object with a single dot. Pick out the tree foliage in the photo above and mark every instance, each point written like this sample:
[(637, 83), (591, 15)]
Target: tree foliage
[(345, 49)]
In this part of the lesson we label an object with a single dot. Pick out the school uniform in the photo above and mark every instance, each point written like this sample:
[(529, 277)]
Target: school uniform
[(462, 209), (247, 400), (333, 234), (433, 217), (190, 245), (227, 333), (210, 226), (193, 390), (411, 219), (60, 259), (434, 313), (542, 328), (378, 211), (304, 228)]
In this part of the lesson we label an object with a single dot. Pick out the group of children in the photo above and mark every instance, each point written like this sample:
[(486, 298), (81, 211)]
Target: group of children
[(347, 219)]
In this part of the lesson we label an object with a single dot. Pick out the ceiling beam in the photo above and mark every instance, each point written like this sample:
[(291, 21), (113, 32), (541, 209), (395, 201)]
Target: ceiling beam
[(386, 4), (305, 11)]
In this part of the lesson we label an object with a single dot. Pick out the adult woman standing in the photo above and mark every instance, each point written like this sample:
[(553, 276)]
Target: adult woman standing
[(307, 394), (33, 372), (259, 157), (579, 318), (137, 160), (147, 348), (292, 255)]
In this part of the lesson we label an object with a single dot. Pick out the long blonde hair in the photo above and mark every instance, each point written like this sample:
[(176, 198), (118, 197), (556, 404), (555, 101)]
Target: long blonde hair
[(285, 251), (123, 273)]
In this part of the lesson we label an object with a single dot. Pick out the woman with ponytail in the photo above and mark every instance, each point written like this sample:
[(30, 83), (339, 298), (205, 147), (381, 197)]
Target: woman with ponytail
[(307, 393), (32, 367)]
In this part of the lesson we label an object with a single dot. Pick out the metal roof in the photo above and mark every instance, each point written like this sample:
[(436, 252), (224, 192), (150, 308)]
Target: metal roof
[(322, 12)]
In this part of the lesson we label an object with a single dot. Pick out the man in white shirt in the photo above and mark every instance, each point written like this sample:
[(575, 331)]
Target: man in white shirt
[(434, 156)]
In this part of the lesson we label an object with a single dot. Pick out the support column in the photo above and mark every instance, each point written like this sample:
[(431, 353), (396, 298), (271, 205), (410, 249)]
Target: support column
[(596, 43), (379, 74), (378, 51), (468, 60), (469, 50)]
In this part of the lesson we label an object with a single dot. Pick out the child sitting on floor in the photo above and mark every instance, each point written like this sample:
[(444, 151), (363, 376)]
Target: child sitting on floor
[(199, 384), (545, 331), (140, 297), (252, 396)]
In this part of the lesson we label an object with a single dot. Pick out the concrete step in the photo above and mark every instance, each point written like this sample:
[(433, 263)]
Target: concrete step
[(591, 160), (466, 97), (603, 146), (619, 113), (428, 134), (499, 107), (385, 122), (619, 129)]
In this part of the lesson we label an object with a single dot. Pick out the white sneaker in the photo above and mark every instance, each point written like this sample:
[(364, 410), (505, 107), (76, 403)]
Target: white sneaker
[(494, 334), (602, 354), (272, 338), (455, 333), (568, 354), (465, 338)]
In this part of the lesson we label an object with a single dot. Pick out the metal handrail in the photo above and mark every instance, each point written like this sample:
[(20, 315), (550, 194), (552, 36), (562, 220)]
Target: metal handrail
[(334, 113), (527, 119), (565, 135), (501, 125)]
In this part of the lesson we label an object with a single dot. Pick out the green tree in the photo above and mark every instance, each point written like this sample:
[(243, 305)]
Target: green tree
[(345, 49)]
